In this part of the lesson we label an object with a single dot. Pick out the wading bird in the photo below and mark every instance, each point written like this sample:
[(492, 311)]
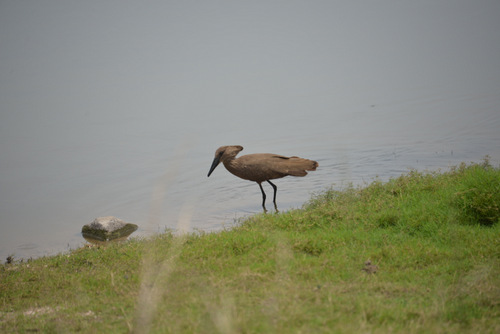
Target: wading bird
[(261, 167)]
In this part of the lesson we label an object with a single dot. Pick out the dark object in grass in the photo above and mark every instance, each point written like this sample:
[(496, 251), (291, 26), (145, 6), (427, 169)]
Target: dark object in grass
[(370, 268)]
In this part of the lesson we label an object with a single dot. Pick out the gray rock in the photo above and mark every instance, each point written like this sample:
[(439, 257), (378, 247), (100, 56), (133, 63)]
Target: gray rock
[(109, 228)]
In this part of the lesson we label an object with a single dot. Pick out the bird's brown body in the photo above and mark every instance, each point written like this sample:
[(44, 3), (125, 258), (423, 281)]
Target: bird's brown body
[(261, 167)]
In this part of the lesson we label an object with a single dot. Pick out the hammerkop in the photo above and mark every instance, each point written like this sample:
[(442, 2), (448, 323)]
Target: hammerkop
[(261, 167)]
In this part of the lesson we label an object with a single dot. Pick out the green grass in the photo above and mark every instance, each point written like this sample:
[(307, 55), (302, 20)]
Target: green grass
[(434, 237)]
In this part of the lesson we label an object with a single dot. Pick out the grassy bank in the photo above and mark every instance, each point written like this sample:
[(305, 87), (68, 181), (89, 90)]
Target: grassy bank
[(434, 238)]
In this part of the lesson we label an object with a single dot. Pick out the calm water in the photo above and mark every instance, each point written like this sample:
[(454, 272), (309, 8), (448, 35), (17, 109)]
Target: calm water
[(151, 168)]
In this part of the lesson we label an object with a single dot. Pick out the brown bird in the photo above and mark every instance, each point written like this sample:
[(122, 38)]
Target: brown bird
[(261, 167)]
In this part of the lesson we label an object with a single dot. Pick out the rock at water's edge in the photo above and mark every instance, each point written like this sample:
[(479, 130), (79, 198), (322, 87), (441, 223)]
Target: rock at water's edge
[(107, 229)]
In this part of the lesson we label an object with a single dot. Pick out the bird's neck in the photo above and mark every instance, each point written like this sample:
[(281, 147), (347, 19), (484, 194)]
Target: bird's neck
[(231, 165)]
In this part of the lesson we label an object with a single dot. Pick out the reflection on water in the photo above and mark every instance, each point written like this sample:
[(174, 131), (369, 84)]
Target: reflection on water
[(148, 170), (104, 243)]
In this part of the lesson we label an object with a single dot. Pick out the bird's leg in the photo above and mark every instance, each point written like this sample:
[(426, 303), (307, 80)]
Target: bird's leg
[(274, 197), (263, 197)]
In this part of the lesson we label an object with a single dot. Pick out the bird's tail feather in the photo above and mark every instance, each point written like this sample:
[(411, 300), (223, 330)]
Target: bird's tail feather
[(299, 166)]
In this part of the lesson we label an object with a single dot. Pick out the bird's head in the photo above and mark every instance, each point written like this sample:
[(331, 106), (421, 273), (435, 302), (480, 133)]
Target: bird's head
[(224, 153)]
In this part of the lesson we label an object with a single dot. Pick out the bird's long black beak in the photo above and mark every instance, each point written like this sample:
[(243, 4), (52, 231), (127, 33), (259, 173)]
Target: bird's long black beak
[(215, 163)]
